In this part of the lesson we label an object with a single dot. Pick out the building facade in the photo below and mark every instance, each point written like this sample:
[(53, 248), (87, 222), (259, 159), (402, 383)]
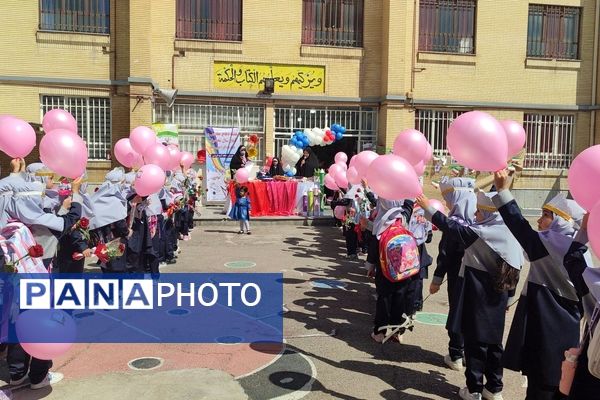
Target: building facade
[(375, 66)]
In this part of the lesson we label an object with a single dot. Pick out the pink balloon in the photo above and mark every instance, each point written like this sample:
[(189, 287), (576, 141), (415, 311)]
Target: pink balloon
[(352, 176), (242, 175), (594, 228), (515, 136), (429, 154), (125, 154), (339, 212), (478, 141), (187, 159), (54, 323), (46, 351), (141, 138), (393, 178), (334, 169), (352, 161), (585, 169), (340, 179), (330, 182), (64, 152), (419, 168), (175, 157), (17, 137), (363, 161), (341, 157), (158, 154), (411, 145), (438, 205), (342, 165), (149, 180), (59, 119)]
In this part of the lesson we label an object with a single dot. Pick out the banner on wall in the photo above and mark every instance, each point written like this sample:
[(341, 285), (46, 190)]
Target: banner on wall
[(220, 144), (167, 133), (250, 77)]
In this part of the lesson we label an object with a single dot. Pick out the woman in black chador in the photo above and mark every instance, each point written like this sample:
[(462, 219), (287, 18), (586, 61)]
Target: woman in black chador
[(276, 168), (239, 160), (307, 164)]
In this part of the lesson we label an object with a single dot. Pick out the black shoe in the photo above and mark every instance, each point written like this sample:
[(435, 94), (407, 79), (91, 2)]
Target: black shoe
[(240, 232), (171, 261), (249, 233)]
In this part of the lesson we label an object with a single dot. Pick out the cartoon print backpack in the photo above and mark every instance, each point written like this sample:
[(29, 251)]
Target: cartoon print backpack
[(398, 253)]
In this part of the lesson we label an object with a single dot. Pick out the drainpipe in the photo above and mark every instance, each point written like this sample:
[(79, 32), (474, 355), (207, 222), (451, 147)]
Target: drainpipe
[(595, 73), (412, 55)]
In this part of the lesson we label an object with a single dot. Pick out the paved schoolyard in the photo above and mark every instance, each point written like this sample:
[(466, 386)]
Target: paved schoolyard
[(328, 352)]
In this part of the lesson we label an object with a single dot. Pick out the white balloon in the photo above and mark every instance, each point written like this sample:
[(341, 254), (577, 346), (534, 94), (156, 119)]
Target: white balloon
[(286, 167), (294, 171)]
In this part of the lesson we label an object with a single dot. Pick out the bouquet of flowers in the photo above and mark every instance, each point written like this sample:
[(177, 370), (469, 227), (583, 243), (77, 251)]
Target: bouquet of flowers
[(105, 252), (35, 251)]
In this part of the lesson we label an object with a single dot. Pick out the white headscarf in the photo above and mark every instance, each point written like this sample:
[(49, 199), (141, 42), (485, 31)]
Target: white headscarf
[(460, 193), (388, 211), (494, 232)]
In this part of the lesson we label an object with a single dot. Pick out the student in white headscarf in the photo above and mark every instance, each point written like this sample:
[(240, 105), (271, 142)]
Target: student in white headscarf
[(110, 216), (26, 206), (394, 299), (546, 321), (487, 278), (460, 199)]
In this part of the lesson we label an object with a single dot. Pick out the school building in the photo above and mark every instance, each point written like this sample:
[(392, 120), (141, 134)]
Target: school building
[(271, 67)]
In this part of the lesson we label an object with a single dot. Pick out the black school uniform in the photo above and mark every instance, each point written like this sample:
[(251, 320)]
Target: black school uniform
[(585, 385), (480, 310), (546, 322), (449, 260), (141, 256), (393, 298), (72, 242)]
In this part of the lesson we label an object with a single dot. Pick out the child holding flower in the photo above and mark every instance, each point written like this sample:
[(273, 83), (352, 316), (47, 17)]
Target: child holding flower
[(76, 241)]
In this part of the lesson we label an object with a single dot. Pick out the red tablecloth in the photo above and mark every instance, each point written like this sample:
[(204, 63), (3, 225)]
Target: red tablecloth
[(274, 198)]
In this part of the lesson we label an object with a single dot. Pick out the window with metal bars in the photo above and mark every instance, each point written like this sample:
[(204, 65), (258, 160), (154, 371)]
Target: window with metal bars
[(447, 26), (209, 19), (434, 125), (553, 31), (333, 22), (93, 115), (87, 16), (360, 124), (549, 141)]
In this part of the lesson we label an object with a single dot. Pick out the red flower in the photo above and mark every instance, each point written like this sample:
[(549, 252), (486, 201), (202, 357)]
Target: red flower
[(102, 253), (84, 223), (36, 251), (253, 139), (121, 248)]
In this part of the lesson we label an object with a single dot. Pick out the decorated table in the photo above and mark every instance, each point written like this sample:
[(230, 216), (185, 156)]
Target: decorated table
[(276, 198)]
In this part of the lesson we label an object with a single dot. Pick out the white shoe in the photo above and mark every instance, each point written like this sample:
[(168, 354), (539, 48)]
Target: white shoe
[(19, 382), (487, 395), (466, 395), (162, 264), (51, 379), (454, 365)]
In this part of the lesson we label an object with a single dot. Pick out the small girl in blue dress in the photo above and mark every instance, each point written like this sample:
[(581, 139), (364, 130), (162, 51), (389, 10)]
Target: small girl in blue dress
[(241, 210)]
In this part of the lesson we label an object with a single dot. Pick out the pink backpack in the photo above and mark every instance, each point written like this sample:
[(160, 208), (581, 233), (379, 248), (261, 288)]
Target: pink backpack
[(398, 253)]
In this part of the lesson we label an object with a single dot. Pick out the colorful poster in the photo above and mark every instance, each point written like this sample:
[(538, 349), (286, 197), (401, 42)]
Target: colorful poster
[(167, 133), (288, 78), (220, 144)]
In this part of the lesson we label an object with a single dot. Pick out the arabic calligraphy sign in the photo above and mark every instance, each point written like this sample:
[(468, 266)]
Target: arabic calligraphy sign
[(288, 78)]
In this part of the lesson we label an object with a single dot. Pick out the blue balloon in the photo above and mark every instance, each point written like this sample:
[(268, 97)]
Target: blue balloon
[(342, 130), (305, 141), (289, 173), (338, 136)]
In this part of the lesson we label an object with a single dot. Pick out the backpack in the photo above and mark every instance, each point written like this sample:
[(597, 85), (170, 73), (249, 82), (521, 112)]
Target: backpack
[(398, 253)]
